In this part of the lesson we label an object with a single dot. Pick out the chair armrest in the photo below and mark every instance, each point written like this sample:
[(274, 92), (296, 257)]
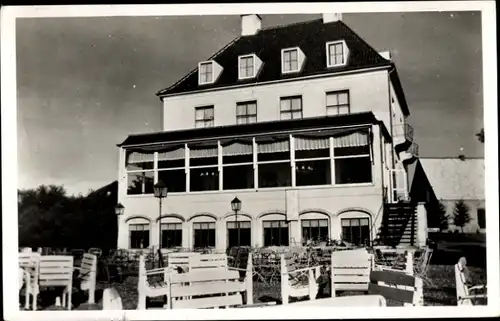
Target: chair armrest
[(304, 269), (477, 287), (257, 305), (235, 269)]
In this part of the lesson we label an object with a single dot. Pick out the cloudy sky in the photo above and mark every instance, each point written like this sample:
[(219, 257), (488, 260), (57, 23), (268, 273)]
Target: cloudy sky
[(84, 84)]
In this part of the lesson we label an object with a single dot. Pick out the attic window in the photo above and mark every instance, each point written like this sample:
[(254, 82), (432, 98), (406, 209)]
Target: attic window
[(249, 66), (336, 53), (292, 60), (206, 72)]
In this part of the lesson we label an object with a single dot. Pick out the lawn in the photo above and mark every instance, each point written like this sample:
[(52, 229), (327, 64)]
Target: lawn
[(440, 293)]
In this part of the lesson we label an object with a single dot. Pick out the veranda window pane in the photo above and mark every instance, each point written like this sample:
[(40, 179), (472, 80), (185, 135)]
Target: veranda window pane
[(275, 175), (174, 179), (353, 170), (311, 173), (140, 183), (204, 179), (238, 177)]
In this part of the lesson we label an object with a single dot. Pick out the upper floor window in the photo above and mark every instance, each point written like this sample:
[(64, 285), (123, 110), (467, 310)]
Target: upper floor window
[(291, 107), (246, 112), (247, 66), (204, 117), (337, 103), (336, 53), (206, 72)]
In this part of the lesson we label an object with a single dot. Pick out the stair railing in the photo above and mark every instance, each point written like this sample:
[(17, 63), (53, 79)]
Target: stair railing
[(375, 219)]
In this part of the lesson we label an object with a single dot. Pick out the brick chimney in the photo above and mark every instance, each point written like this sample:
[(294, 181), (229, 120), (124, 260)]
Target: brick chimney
[(331, 17), (250, 24)]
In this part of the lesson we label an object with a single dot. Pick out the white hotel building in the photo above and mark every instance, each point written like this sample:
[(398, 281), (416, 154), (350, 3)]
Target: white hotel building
[(304, 123)]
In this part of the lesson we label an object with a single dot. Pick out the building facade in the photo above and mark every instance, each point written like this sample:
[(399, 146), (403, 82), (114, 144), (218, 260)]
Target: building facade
[(304, 123), (461, 178)]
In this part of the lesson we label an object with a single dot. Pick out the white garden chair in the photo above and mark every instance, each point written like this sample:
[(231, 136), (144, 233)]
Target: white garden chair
[(111, 299), (207, 261), (88, 275), (149, 288), (465, 293), (350, 270), (394, 285), (56, 271), (291, 280), (29, 262)]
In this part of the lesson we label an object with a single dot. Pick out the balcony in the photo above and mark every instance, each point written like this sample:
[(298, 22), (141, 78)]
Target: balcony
[(402, 134), (410, 153)]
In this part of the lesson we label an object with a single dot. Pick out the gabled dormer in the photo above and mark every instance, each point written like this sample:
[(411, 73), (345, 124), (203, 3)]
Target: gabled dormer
[(292, 60), (248, 66), (337, 53), (208, 72)]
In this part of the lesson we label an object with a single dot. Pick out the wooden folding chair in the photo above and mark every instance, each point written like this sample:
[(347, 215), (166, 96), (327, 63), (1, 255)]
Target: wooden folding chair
[(56, 271), (87, 274), (397, 286), (466, 294), (30, 265)]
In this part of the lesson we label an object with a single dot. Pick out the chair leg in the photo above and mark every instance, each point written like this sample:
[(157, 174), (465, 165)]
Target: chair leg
[(92, 294), (69, 298), (64, 298), (27, 296), (34, 296)]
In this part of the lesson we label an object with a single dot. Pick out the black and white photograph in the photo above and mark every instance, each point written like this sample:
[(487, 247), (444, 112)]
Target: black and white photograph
[(262, 157)]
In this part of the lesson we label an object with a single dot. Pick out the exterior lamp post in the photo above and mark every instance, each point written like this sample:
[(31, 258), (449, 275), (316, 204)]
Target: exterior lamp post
[(236, 207), (160, 192), (119, 209)]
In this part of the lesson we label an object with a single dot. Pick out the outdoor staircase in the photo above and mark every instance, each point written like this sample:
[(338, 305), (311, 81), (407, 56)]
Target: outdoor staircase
[(399, 225)]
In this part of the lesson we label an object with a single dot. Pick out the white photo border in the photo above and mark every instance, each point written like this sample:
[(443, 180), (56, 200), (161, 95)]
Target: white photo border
[(9, 156)]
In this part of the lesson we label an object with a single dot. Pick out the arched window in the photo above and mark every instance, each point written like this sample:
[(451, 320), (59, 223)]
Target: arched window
[(355, 227), (139, 235), (171, 232), (314, 226), (239, 232), (275, 230), (204, 231)]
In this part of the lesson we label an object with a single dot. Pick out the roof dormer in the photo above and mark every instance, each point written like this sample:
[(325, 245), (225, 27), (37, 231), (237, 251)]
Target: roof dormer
[(208, 72), (292, 60), (337, 53), (248, 66)]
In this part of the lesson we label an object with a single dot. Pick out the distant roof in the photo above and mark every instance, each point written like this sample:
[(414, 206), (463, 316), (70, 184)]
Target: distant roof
[(310, 36), (453, 179), (241, 130)]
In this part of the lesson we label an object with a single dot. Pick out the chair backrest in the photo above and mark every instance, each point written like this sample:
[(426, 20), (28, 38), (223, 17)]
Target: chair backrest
[(426, 259), (461, 282), (180, 258), (26, 250), (351, 269), (31, 263), (111, 299), (56, 270), (208, 261), (397, 286), (88, 267), (96, 251), (197, 289)]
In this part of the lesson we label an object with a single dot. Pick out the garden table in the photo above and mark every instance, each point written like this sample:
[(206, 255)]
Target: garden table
[(344, 301)]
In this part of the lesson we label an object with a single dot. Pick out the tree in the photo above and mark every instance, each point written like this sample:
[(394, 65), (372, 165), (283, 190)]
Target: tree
[(461, 215), (443, 217), (480, 135)]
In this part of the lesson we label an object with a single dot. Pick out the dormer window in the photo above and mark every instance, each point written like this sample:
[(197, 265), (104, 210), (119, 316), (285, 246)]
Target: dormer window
[(208, 72), (292, 60), (249, 66), (336, 53)]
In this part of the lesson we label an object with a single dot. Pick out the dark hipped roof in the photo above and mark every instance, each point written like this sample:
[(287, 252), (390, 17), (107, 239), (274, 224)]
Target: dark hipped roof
[(255, 129), (310, 36)]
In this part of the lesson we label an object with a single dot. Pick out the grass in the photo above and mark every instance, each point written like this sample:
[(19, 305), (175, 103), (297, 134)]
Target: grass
[(440, 293)]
